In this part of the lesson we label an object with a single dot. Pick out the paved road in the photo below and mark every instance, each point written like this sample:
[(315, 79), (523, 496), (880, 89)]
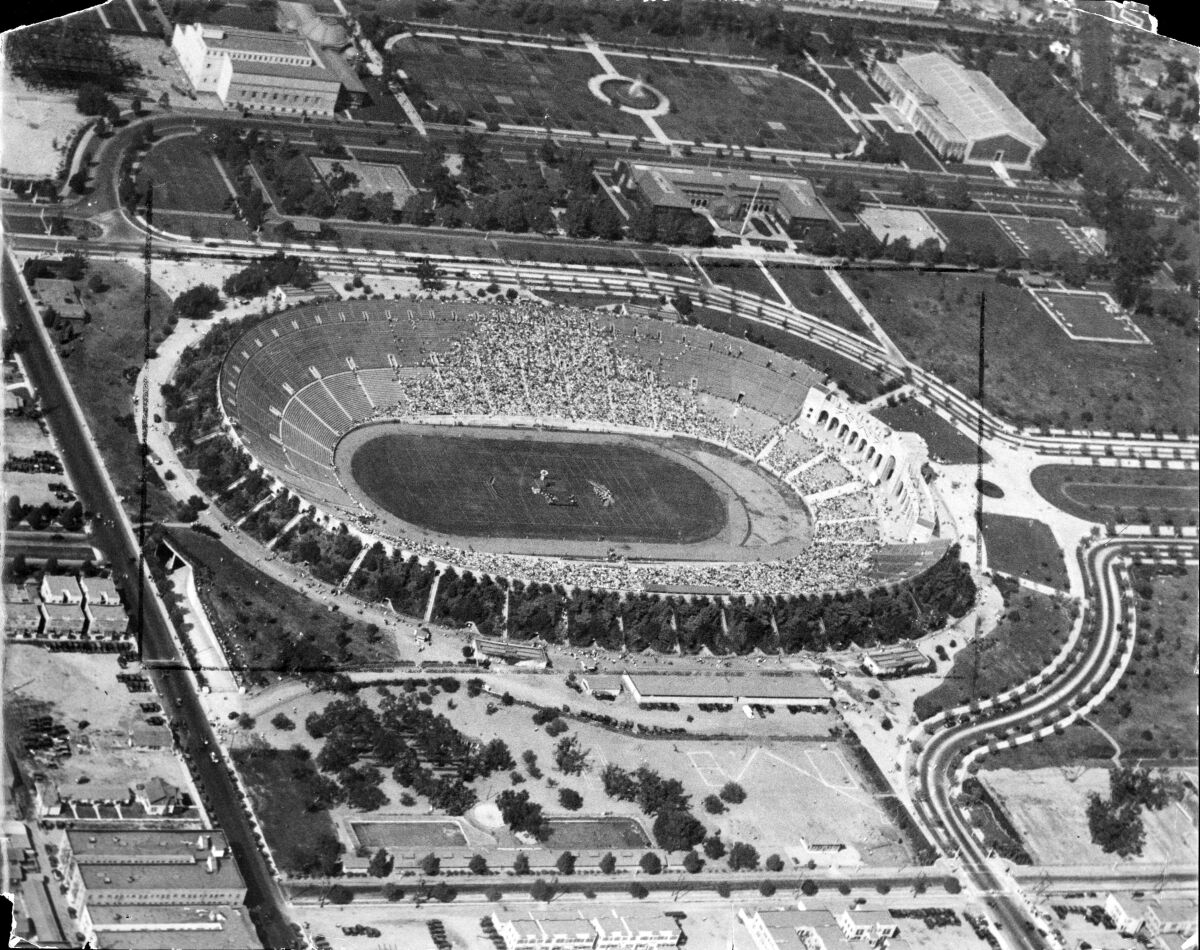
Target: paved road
[(113, 535), (1076, 684)]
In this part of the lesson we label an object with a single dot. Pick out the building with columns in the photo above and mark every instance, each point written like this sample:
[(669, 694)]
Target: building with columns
[(961, 112)]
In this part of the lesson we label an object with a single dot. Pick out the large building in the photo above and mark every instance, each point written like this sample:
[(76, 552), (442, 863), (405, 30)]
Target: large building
[(962, 113), (265, 72), (575, 932), (738, 204), (793, 689)]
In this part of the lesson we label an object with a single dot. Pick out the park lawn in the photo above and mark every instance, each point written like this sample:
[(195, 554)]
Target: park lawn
[(1036, 374), (946, 443), (1028, 635), (281, 803), (262, 623), (1147, 496), (102, 364), (810, 290), (744, 276), (1026, 548), (185, 176), (972, 234), (1152, 713), (1157, 695)]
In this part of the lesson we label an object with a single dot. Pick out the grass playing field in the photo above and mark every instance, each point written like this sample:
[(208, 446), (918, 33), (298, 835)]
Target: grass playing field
[(480, 484)]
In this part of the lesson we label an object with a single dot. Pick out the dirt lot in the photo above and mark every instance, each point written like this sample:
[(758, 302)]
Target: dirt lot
[(1048, 809)]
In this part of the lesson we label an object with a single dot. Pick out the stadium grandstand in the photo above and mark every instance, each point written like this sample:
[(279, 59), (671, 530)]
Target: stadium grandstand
[(296, 383)]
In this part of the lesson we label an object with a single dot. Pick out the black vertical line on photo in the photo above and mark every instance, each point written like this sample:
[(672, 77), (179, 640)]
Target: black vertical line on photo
[(979, 458), (144, 448)]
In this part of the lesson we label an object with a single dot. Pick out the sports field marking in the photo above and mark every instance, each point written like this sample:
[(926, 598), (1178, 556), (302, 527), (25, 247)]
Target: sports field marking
[(859, 798), (832, 768), (1063, 306)]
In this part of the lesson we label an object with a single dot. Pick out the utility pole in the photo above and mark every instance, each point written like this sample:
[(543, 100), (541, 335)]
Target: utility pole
[(979, 455)]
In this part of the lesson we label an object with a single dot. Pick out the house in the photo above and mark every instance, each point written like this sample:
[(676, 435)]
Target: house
[(61, 298), (22, 621), (862, 923), (961, 112), (62, 622), (159, 797), (99, 590), (61, 589)]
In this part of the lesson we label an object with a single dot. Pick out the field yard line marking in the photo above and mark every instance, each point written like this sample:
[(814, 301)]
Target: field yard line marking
[(870, 799)]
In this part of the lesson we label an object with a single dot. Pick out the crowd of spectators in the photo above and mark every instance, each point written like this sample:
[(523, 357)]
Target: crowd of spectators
[(560, 365)]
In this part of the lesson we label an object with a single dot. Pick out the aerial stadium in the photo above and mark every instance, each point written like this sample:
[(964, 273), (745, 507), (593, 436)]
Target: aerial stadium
[(584, 448)]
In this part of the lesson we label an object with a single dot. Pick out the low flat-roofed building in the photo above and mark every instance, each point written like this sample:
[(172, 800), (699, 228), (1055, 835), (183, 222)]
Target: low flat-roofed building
[(784, 929), (867, 923), (730, 199), (962, 113), (793, 689), (642, 931), (62, 621), (510, 651), (210, 881), (287, 295), (902, 659), (602, 685), (106, 622), (1126, 912), (184, 846), (139, 927), (61, 589), (100, 590), (22, 621), (36, 919), (18, 594), (545, 932), (1174, 915), (61, 296)]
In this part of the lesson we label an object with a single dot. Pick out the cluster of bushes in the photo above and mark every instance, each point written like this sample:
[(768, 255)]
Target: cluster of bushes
[(402, 582), (1115, 822), (675, 827), (328, 553), (259, 277), (422, 748)]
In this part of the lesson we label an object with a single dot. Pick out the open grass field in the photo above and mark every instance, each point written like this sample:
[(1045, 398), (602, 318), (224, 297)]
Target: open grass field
[(1048, 807), (514, 85), (855, 88), (263, 624), (742, 107), (1029, 633), (103, 363), (810, 290), (913, 152), (946, 443), (976, 235), (742, 275), (1047, 237), (1090, 316), (1024, 547), (481, 484), (185, 176), (1100, 494), (1035, 375)]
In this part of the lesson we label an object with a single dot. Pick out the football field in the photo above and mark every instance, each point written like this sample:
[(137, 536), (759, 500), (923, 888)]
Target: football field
[(491, 484)]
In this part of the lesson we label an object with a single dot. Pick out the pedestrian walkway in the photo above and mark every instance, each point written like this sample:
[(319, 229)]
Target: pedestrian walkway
[(864, 314)]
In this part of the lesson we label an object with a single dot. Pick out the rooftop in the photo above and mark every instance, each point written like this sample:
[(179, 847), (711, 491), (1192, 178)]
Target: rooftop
[(161, 877), (795, 685), (101, 847), (255, 41), (108, 616), (965, 98), (101, 588)]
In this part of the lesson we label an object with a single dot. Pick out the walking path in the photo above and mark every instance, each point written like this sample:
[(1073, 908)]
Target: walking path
[(864, 314)]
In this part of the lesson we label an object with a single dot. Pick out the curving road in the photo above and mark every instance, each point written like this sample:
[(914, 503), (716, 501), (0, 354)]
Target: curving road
[(1060, 701)]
